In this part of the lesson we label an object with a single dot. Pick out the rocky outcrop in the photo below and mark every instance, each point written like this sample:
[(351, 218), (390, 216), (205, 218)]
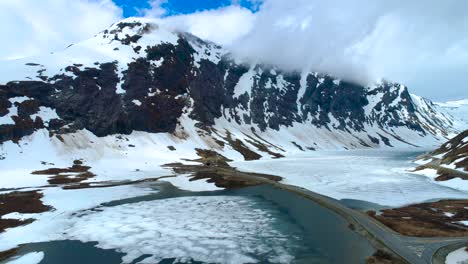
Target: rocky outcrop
[(450, 160)]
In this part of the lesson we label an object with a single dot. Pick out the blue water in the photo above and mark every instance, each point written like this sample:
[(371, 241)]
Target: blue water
[(324, 236)]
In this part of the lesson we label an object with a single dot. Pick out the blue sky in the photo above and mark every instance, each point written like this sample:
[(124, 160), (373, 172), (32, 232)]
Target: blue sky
[(130, 7)]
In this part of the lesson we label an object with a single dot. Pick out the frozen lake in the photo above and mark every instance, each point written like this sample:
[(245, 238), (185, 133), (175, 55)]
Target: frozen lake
[(161, 223), (252, 225), (375, 176)]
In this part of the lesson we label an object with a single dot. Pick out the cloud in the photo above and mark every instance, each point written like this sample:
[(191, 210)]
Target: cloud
[(31, 27), (422, 43), (155, 9), (224, 26)]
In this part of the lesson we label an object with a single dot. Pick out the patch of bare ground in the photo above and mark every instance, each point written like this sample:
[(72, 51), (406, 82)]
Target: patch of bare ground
[(74, 174), (266, 141), (455, 149), (263, 147), (214, 168), (171, 148), (444, 173), (381, 257), (20, 202), (4, 255), (434, 219), (297, 146), (452, 153), (240, 147)]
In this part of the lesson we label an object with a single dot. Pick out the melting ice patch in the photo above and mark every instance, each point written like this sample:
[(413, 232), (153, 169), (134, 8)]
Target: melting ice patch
[(30, 258), (459, 256), (214, 229), (375, 176)]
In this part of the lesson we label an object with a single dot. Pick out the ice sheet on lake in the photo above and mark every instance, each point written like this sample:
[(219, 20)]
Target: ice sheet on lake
[(49, 225), (214, 229), (376, 176), (459, 256), (30, 258)]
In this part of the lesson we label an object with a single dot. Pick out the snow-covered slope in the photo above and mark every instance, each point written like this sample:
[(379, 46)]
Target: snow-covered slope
[(138, 88), (448, 163), (459, 110)]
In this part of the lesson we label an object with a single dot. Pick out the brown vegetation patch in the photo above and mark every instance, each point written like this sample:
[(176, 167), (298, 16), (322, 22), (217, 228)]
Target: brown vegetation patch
[(381, 257), (260, 146), (455, 149), (445, 174), (227, 178), (211, 158), (215, 169), (20, 202), (240, 147), (4, 255), (427, 219), (266, 141), (74, 174)]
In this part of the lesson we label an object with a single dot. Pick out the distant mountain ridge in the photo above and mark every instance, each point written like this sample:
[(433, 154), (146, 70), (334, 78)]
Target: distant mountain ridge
[(459, 110), (140, 76)]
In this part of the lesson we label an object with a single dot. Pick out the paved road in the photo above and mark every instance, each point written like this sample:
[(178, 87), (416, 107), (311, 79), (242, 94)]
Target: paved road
[(414, 250)]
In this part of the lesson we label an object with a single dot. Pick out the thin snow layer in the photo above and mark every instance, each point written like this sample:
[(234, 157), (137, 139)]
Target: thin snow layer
[(49, 225), (459, 256), (30, 258), (455, 183), (184, 183), (375, 176), (111, 158), (245, 83), (212, 229), (459, 110), (140, 154)]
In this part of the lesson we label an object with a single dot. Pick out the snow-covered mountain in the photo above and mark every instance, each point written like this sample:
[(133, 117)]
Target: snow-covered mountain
[(139, 87), (459, 110)]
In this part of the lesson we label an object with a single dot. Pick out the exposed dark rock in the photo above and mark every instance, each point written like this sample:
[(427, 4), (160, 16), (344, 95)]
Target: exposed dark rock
[(154, 90), (373, 139), (297, 146), (171, 148), (385, 140)]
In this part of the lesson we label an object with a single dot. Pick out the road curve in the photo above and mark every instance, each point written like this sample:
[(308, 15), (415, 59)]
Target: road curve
[(414, 250)]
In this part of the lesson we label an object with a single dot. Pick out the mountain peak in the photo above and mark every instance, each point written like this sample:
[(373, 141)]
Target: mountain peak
[(140, 75)]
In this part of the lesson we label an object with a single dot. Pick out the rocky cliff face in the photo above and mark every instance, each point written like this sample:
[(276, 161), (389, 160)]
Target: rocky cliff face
[(137, 76)]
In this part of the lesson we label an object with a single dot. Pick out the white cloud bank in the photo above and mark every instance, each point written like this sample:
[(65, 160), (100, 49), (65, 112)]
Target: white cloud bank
[(224, 26), (32, 27), (422, 43)]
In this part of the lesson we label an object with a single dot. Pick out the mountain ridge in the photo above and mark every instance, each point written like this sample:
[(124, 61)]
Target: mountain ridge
[(140, 76)]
